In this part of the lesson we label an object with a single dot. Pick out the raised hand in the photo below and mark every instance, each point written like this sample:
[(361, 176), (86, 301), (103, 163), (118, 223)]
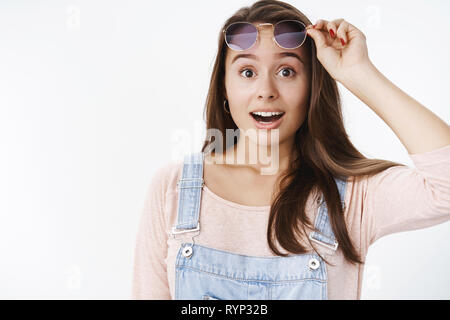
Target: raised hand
[(341, 47)]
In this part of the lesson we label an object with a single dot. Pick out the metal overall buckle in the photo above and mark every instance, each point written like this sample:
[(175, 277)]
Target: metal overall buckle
[(187, 249), (332, 247), (174, 229)]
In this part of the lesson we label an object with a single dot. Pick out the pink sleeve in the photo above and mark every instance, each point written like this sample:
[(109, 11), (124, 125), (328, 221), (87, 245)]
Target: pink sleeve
[(403, 198), (149, 273)]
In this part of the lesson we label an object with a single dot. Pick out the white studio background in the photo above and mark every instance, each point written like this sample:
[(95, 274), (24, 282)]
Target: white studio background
[(95, 96)]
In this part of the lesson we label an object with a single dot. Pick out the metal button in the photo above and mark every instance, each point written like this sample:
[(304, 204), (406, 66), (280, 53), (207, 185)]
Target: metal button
[(313, 263), (187, 251)]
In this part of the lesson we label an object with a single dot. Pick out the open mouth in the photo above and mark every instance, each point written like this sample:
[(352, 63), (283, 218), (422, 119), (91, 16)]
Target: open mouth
[(268, 118)]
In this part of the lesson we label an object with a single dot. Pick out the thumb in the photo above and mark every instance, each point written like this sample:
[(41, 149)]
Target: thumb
[(318, 37)]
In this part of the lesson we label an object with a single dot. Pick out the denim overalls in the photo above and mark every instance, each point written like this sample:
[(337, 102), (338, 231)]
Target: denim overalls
[(206, 273)]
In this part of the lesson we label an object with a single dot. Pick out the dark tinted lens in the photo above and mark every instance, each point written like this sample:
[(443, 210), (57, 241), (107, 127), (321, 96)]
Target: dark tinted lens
[(241, 36), (290, 34)]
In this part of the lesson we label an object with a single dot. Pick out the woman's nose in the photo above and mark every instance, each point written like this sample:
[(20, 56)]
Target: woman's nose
[(267, 89)]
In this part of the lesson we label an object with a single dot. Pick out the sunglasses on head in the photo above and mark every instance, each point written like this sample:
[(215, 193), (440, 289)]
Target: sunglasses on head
[(288, 34)]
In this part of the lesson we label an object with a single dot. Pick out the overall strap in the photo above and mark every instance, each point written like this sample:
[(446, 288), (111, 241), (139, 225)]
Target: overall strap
[(189, 193), (325, 235)]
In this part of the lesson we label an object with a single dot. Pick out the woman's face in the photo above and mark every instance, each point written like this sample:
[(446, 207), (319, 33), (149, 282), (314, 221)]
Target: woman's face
[(270, 80)]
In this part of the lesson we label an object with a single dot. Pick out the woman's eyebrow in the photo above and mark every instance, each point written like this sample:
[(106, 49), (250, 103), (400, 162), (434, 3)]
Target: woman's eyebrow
[(278, 55)]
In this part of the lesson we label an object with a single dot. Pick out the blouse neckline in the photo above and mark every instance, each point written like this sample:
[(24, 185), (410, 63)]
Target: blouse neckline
[(234, 204)]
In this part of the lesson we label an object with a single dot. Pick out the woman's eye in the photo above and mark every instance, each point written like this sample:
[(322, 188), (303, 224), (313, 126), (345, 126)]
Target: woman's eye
[(293, 72), (248, 72)]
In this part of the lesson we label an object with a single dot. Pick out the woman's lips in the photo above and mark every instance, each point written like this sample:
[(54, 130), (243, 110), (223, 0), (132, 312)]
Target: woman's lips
[(270, 125)]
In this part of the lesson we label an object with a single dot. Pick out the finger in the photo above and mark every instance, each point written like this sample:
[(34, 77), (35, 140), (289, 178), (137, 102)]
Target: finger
[(332, 27), (321, 24), (318, 37), (342, 32), (317, 34)]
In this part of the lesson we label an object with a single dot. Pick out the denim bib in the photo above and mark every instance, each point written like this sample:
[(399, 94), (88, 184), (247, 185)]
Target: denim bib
[(207, 273)]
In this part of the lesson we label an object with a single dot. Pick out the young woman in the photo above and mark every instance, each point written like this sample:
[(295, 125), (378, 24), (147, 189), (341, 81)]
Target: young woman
[(214, 230)]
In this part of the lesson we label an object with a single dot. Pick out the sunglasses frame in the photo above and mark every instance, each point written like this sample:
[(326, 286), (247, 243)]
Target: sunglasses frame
[(257, 33)]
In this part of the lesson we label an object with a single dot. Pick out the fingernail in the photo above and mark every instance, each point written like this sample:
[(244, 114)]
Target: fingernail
[(332, 33), (342, 41)]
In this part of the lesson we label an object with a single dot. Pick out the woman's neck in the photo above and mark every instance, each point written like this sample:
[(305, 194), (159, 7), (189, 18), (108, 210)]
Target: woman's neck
[(268, 160)]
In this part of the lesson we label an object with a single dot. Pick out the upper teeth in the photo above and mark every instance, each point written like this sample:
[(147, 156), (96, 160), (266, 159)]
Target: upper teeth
[(267, 114)]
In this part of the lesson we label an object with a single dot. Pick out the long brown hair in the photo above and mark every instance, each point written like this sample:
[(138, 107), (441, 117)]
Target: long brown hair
[(322, 147)]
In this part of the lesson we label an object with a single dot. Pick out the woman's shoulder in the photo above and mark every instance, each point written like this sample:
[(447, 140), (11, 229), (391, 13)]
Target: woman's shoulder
[(170, 173), (167, 175)]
